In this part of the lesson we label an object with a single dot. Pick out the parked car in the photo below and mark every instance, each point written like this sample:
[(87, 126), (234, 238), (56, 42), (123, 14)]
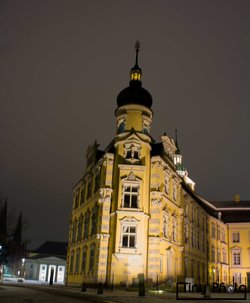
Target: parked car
[(12, 278)]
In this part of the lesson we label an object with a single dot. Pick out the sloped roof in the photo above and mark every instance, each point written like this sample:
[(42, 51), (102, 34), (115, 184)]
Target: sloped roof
[(231, 204), (53, 248)]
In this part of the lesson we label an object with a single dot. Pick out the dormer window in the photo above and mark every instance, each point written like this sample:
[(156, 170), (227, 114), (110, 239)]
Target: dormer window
[(177, 159), (132, 151)]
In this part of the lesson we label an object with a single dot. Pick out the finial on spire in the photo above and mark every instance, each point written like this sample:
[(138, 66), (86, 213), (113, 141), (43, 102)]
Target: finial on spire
[(176, 143), (137, 49)]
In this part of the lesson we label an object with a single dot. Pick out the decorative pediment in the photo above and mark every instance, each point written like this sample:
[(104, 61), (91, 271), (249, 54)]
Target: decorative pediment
[(129, 219), (169, 146), (131, 176)]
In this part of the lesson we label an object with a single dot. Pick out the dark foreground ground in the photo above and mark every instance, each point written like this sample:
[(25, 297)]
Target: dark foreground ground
[(18, 293)]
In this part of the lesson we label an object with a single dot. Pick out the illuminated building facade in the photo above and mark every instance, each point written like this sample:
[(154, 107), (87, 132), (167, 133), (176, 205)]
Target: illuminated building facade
[(135, 210)]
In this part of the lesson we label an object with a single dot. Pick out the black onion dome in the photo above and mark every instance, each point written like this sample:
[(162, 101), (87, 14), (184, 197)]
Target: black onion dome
[(134, 94)]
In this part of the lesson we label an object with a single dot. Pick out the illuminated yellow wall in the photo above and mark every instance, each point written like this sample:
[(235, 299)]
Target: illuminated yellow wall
[(239, 243), (167, 237), (218, 269)]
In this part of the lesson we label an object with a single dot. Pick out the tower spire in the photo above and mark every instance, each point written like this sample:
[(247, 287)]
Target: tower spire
[(137, 49), (135, 73)]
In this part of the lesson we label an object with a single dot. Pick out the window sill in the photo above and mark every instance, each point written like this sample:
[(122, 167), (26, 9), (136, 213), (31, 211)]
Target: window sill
[(128, 250)]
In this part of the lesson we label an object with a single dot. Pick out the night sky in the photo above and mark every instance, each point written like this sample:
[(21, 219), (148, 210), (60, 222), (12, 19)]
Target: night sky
[(62, 64)]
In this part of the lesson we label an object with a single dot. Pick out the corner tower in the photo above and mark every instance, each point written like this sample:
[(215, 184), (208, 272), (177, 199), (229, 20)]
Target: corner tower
[(131, 180)]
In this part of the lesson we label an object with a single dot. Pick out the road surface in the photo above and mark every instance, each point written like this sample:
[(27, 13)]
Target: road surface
[(15, 294)]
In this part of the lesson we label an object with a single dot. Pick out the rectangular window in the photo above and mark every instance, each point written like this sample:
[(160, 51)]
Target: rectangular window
[(130, 199), (84, 258), (218, 233), (92, 257), (236, 258), (236, 237), (224, 255), (223, 236), (213, 231), (237, 278), (128, 236)]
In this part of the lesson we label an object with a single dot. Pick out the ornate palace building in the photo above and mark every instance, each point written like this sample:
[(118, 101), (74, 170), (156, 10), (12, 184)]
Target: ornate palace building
[(136, 213)]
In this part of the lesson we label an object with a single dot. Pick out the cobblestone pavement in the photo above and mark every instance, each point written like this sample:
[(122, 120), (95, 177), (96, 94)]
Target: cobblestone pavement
[(61, 294)]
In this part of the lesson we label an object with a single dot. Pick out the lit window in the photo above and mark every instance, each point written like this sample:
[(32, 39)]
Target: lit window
[(130, 196), (237, 278), (236, 237), (128, 236), (236, 257)]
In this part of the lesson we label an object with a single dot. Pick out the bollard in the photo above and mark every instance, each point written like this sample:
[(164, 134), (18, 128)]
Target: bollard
[(84, 287), (207, 291), (100, 289), (141, 289)]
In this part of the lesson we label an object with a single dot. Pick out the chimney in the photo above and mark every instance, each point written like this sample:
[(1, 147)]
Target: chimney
[(237, 198)]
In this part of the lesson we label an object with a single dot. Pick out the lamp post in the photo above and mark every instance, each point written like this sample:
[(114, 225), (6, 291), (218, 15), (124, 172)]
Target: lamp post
[(23, 263), (1, 262)]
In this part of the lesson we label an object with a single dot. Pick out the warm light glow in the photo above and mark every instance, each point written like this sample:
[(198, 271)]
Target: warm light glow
[(136, 76)]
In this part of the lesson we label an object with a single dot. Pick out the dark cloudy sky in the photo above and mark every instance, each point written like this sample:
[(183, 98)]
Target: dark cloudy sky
[(62, 64)]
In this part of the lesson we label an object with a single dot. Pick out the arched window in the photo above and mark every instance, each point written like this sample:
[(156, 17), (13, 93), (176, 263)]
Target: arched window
[(77, 261), (76, 200), (92, 258), (82, 199), (84, 259), (74, 231), (71, 266), (97, 180), (89, 187), (79, 228), (86, 225), (94, 220)]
